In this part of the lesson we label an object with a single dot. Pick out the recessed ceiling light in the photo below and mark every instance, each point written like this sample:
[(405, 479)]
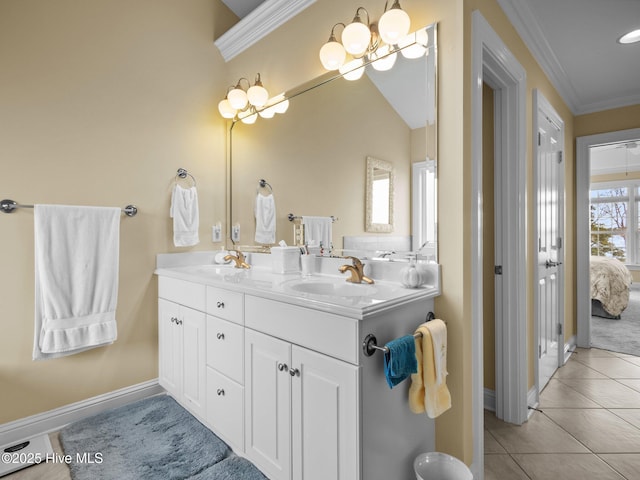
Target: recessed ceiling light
[(631, 37)]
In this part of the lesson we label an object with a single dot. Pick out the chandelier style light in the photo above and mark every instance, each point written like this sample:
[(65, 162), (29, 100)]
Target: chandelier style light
[(247, 104), (371, 42)]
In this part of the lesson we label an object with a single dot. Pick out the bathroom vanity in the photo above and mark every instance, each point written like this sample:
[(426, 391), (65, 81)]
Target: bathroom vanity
[(274, 365)]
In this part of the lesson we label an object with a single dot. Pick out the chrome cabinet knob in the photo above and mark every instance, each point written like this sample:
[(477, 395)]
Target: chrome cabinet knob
[(294, 372), (220, 392), (174, 319), (283, 367), (220, 304), (220, 336)]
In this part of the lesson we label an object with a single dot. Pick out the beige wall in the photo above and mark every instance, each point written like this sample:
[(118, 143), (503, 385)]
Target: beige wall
[(101, 102)]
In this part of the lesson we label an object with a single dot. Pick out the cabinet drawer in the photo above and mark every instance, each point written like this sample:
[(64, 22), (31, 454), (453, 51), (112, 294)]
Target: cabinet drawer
[(225, 409), (320, 331), (225, 304), (180, 291), (225, 348)]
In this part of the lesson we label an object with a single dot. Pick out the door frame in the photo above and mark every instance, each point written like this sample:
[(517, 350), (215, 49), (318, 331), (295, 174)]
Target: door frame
[(493, 63), (583, 182), (541, 106)]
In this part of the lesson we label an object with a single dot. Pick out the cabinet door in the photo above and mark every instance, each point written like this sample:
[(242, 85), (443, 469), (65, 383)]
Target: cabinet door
[(268, 404), (194, 356), (325, 420), (170, 348)]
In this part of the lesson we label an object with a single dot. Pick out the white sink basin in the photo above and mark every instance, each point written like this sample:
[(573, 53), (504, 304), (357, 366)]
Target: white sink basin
[(329, 288)]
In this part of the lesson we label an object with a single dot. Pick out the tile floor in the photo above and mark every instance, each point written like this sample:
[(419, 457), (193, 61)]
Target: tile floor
[(589, 427)]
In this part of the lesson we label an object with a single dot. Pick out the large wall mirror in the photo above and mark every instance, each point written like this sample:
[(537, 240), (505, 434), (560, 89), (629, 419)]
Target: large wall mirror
[(314, 157)]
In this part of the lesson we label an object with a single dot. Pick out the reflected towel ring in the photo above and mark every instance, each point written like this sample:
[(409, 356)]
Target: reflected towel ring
[(263, 184), (182, 173)]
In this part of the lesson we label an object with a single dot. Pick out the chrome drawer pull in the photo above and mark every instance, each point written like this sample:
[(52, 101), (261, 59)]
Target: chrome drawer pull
[(221, 392), (220, 304), (220, 336)]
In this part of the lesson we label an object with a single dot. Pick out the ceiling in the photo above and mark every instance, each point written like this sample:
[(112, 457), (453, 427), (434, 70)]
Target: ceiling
[(574, 41)]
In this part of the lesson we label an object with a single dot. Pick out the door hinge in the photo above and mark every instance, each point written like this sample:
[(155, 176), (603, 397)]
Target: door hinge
[(539, 139), (498, 269), (559, 329), (560, 157), (559, 242), (539, 351)]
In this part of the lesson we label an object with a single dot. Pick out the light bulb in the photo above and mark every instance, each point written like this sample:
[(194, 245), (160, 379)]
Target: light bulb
[(282, 107), (225, 109), (332, 55), (356, 37), (249, 117), (414, 44), (394, 24), (383, 60), (258, 96), (237, 98), (352, 70), (268, 112)]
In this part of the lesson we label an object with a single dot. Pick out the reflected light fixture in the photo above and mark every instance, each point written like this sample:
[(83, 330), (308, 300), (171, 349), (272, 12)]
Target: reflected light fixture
[(247, 105), (631, 37), (375, 42)]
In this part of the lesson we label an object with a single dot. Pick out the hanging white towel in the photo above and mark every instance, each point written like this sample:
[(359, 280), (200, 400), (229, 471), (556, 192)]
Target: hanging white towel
[(265, 211), (318, 229), (186, 218), (76, 278)]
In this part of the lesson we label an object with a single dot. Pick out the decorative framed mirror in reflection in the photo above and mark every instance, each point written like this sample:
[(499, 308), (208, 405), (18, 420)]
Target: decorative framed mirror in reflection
[(379, 190), (313, 154)]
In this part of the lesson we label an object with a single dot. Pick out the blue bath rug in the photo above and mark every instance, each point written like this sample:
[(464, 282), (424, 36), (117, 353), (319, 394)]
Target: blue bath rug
[(232, 468), (153, 439)]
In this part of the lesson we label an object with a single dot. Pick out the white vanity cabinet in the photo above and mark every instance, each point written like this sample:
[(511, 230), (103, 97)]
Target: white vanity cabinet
[(301, 411), (181, 334)]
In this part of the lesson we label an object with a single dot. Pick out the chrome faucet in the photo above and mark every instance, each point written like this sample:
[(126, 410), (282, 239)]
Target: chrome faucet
[(239, 259), (357, 271)]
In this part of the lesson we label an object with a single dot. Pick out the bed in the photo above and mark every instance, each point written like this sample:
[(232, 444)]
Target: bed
[(610, 284)]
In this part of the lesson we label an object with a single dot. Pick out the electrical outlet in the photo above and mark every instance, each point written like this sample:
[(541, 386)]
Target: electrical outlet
[(235, 232), (216, 233)]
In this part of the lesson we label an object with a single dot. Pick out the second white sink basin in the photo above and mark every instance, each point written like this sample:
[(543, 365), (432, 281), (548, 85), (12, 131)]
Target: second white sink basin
[(333, 288)]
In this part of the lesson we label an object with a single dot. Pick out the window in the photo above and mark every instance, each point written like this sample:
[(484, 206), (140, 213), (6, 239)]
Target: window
[(614, 218)]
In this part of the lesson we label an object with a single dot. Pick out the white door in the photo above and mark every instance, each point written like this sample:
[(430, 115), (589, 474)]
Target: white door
[(192, 324), (325, 422), (550, 220), (268, 404), (170, 348)]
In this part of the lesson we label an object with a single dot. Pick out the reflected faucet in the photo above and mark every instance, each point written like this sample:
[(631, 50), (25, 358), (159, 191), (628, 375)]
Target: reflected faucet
[(239, 259), (357, 271)]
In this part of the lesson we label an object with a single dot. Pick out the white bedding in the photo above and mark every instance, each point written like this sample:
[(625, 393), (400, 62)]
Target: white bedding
[(610, 283)]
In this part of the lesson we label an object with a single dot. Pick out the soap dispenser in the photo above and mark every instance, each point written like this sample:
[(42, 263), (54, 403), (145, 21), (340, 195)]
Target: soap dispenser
[(410, 275)]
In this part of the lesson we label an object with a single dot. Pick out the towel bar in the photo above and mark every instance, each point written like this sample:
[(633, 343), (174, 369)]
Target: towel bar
[(370, 342), (8, 206)]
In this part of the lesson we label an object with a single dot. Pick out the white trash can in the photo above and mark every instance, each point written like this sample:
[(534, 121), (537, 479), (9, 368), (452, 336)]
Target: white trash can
[(440, 466)]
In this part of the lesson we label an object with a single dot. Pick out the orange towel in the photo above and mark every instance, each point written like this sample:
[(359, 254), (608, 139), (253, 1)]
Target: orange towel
[(429, 392)]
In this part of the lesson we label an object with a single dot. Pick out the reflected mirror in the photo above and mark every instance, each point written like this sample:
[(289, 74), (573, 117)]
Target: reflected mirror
[(379, 188), (313, 155)]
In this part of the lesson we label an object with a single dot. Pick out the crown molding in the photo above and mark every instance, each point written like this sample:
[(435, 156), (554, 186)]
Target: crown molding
[(527, 26), (263, 20)]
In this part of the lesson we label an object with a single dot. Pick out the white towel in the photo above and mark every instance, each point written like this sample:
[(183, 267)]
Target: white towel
[(76, 278), (186, 219), (265, 211), (318, 229)]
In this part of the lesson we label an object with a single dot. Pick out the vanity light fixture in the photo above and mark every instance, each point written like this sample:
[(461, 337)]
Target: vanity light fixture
[(374, 42), (246, 105), (631, 37)]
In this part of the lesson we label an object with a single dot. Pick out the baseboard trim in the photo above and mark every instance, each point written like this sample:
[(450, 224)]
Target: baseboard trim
[(570, 347), (53, 420)]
